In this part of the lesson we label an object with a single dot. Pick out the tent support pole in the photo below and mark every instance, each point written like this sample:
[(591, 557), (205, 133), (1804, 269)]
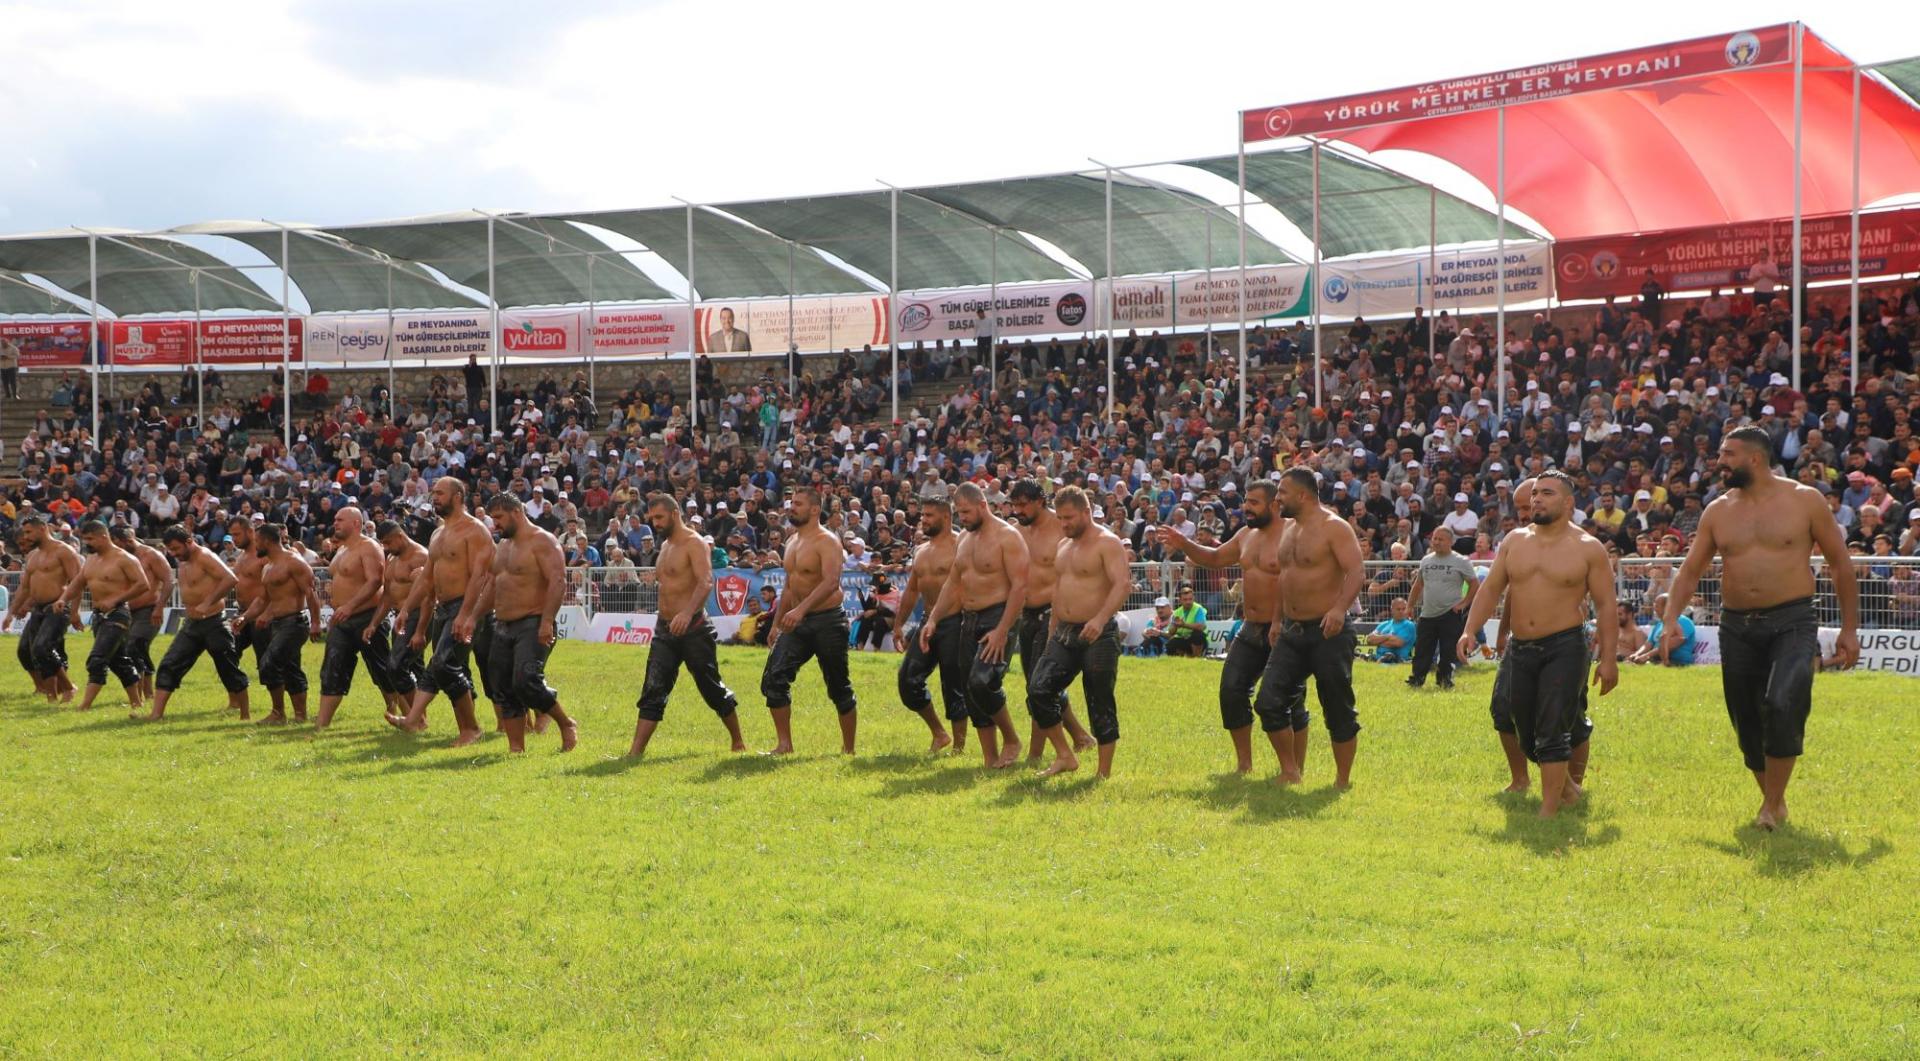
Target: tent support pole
[(1240, 179), (1318, 283), (1799, 104), (199, 372), (95, 348), (493, 358), (593, 339), (286, 342), (993, 307), (1853, 254), (393, 401), (1433, 262), (1500, 261), (1110, 346), (793, 345), (693, 334), (893, 289)]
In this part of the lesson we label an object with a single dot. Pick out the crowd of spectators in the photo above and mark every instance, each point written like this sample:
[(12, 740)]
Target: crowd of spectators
[(1631, 401)]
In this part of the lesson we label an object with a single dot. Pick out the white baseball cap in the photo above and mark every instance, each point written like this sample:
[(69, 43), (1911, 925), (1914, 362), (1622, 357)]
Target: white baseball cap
[(1461, 498)]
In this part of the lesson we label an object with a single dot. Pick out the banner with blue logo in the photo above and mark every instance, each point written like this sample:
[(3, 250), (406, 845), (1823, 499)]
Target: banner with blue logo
[(1392, 285)]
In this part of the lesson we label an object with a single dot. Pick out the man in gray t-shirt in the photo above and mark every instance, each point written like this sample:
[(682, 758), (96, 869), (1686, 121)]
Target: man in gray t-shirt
[(1441, 595)]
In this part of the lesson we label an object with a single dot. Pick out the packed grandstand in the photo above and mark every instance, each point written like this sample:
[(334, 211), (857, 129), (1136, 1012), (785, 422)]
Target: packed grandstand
[(1631, 399)]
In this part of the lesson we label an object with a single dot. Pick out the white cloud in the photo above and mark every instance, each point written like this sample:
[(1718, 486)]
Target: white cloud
[(146, 115)]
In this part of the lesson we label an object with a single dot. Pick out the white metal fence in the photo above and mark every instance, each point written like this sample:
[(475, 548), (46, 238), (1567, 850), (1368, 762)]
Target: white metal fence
[(1889, 589)]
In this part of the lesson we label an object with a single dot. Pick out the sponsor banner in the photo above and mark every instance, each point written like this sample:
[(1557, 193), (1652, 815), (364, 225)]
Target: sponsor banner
[(571, 622), (543, 334), (1214, 297), (450, 336), (1891, 651), (622, 628), (1727, 256), (624, 331), (1021, 309), (348, 337), (1699, 57), (49, 344), (1139, 303), (250, 340), (150, 342), (1456, 280), (815, 322)]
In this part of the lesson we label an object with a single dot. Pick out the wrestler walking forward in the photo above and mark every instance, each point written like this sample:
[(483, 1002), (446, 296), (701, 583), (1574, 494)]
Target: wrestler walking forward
[(808, 622), (1041, 529), (683, 635), (52, 565), (988, 587), (459, 560), (353, 583), (286, 615), (1256, 548), (1084, 640), (150, 608), (1320, 575), (404, 560), (1548, 570), (1501, 705), (1763, 529), (247, 565), (932, 564), (523, 594), (111, 577), (204, 585)]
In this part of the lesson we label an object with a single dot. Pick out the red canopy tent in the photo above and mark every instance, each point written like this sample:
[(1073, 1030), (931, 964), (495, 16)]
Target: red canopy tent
[(1748, 126)]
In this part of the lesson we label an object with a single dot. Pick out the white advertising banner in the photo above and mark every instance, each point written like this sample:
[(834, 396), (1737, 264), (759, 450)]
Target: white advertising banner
[(451, 336), (1214, 297), (623, 331), (1459, 280), (1139, 302), (815, 322), (349, 337), (622, 628), (543, 333), (1023, 309)]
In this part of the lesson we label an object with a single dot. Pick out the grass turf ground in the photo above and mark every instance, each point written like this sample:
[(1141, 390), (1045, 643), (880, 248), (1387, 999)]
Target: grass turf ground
[(203, 886)]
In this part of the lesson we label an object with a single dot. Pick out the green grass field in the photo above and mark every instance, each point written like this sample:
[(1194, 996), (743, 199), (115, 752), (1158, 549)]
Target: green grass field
[(205, 887)]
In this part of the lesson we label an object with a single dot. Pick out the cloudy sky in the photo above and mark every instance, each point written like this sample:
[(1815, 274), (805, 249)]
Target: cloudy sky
[(145, 115)]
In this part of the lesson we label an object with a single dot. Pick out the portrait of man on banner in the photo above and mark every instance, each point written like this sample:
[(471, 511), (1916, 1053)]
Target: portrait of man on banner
[(728, 339)]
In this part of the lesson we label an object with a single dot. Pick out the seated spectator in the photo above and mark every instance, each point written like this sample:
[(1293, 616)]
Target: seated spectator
[(1153, 640), (1392, 640), (1678, 657), (1187, 635)]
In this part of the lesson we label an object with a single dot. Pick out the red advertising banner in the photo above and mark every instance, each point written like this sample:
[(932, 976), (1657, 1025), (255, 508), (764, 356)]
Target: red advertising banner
[(1699, 57), (1727, 256), (148, 342), (49, 344), (222, 341), (247, 340)]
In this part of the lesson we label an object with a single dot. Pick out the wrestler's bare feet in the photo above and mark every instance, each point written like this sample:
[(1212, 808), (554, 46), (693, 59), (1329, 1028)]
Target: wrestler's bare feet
[(1008, 756), (1571, 794), (1289, 777), (539, 723), (1518, 786), (941, 742), (1085, 744), (783, 748), (466, 737), (272, 718), (1064, 764), (569, 737)]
